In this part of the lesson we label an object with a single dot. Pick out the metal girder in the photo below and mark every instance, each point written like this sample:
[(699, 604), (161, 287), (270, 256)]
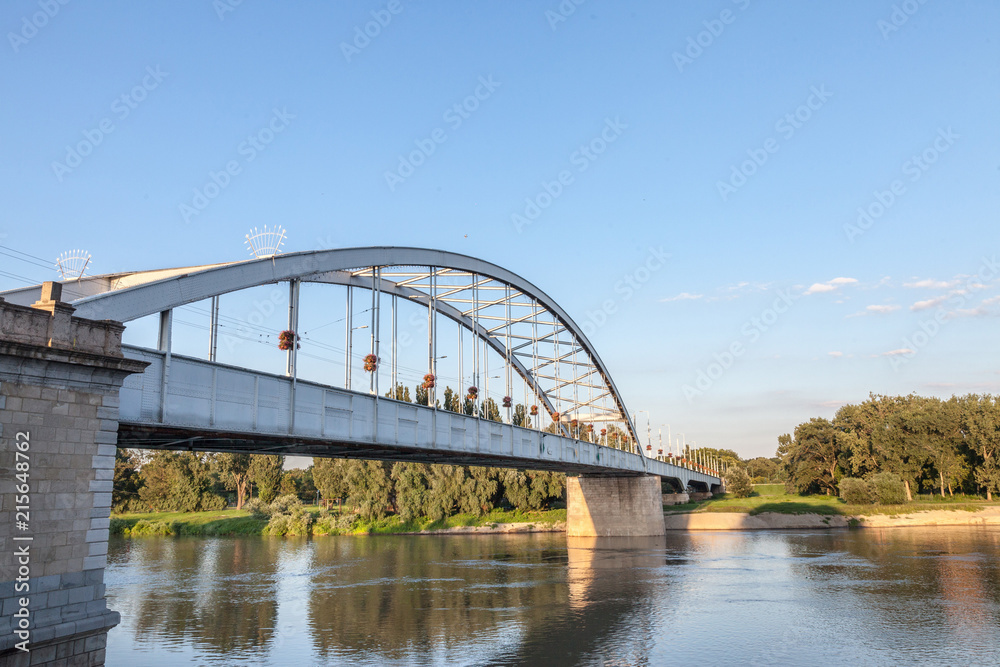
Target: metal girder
[(125, 297)]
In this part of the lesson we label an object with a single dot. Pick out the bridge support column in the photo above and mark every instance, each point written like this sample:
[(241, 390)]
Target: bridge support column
[(614, 506), (59, 383)]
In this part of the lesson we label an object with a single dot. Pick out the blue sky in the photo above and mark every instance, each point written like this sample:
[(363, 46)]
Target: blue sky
[(741, 138)]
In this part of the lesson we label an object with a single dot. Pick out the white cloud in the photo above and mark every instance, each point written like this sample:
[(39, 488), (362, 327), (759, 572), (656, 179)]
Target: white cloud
[(836, 354), (830, 285), (882, 308), (928, 303), (928, 283), (816, 288), (683, 296), (992, 299), (902, 350)]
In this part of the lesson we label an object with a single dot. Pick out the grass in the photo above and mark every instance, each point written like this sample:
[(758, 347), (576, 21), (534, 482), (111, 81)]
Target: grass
[(773, 498), (230, 522)]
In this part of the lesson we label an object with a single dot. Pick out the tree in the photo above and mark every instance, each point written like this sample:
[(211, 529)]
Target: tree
[(446, 485), (234, 470), (265, 472), (369, 487), (479, 490), (738, 483), (399, 392), (532, 489), (179, 482), (762, 468), (330, 477), (520, 416), (127, 482), (410, 483), (813, 459), (489, 410), (981, 423)]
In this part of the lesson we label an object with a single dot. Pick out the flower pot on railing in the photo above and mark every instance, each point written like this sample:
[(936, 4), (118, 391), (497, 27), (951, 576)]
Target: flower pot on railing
[(371, 363), (534, 410), (288, 338), (428, 381), (472, 394), (507, 401)]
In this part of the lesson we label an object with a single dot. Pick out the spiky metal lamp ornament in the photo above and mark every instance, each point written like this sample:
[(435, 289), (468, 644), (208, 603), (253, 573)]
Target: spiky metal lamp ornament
[(266, 243), (72, 264)]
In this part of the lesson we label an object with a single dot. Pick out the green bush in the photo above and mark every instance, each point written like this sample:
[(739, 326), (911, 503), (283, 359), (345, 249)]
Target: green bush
[(144, 528), (285, 504), (118, 527), (888, 489), (332, 524), (738, 483), (258, 508), (855, 491)]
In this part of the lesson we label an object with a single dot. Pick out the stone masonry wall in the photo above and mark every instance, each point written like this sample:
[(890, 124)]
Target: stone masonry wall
[(59, 382)]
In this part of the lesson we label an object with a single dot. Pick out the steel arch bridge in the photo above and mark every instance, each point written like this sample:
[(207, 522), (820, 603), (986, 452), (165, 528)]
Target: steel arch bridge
[(533, 336)]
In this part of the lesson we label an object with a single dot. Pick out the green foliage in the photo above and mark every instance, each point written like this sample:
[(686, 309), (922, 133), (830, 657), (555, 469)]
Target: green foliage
[(813, 459), (296, 522), (532, 489), (888, 489), (369, 487), (127, 482), (446, 485), (144, 528), (330, 477), (763, 469), (265, 471), (399, 392), (488, 410), (738, 483), (234, 471), (856, 491), (258, 509), (410, 480), (179, 481), (479, 493)]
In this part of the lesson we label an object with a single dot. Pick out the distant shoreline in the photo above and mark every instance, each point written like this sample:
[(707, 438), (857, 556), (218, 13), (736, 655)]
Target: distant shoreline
[(989, 516)]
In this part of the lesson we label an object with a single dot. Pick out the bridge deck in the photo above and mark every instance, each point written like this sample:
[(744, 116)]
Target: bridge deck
[(186, 403)]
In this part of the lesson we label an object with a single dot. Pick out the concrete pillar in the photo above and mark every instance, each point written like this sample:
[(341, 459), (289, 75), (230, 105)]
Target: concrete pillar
[(614, 506), (59, 382)]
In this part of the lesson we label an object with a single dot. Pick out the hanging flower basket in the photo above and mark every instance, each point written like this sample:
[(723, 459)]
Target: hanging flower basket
[(371, 363), (429, 381), (288, 338), (473, 393), (604, 432), (534, 410), (555, 416), (507, 401), (649, 448)]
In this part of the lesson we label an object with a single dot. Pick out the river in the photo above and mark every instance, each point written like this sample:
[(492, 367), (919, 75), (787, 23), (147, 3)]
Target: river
[(874, 596)]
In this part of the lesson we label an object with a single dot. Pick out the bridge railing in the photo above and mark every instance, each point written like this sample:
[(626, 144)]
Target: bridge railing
[(190, 393)]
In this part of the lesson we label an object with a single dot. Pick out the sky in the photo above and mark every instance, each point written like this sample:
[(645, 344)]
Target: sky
[(820, 179)]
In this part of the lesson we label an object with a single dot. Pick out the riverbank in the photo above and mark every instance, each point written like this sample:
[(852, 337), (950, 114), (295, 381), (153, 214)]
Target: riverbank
[(776, 521), (771, 508), (232, 522)]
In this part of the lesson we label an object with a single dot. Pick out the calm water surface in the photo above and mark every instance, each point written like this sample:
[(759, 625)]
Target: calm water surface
[(881, 597)]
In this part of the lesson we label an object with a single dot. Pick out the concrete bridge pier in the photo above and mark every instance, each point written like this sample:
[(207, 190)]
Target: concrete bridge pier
[(59, 383), (601, 506)]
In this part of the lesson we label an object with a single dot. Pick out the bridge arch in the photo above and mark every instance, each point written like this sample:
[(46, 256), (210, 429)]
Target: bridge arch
[(450, 284)]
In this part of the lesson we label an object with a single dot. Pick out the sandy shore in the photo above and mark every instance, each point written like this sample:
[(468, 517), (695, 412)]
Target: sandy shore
[(774, 521)]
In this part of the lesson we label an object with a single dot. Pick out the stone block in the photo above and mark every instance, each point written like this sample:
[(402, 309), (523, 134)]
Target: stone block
[(614, 506)]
